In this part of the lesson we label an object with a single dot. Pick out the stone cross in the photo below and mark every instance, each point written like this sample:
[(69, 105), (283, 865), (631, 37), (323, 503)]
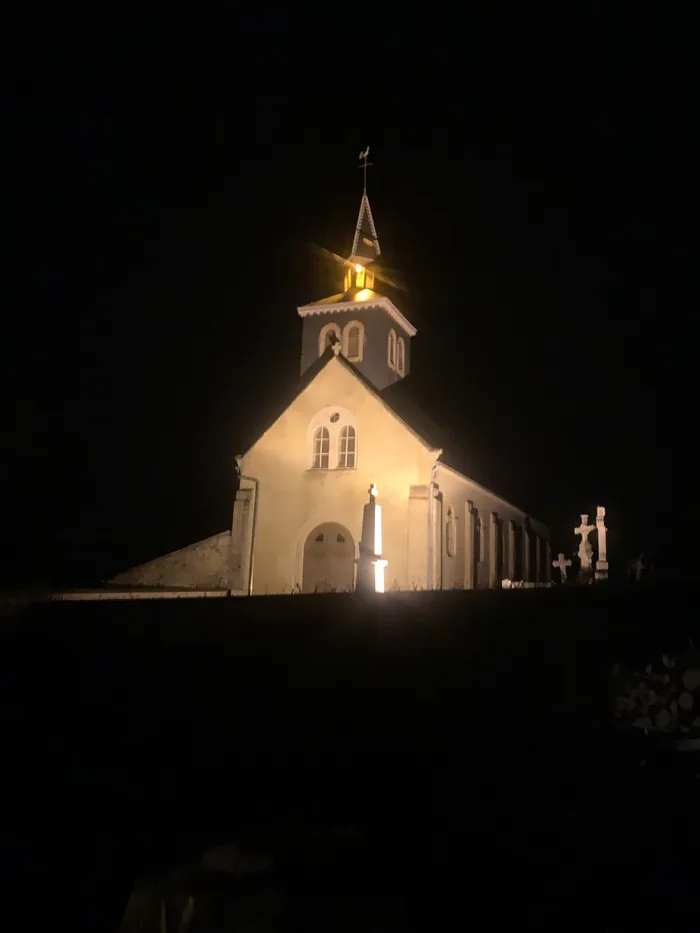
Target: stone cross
[(601, 565), (585, 551), (562, 562), (637, 566)]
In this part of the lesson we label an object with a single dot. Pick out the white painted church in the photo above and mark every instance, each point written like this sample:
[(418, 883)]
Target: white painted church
[(297, 515)]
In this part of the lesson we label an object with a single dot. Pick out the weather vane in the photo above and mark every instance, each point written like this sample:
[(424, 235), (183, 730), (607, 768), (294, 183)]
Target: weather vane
[(365, 164)]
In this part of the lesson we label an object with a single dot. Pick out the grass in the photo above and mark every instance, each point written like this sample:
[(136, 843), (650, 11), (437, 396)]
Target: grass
[(467, 739)]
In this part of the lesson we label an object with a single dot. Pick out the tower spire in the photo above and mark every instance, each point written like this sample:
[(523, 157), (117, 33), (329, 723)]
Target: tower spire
[(364, 166), (365, 245)]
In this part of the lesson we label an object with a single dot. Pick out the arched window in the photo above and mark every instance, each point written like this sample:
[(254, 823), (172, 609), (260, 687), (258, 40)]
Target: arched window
[(450, 532), (481, 533), (400, 356), (353, 343), (360, 276), (329, 334), (347, 448), (331, 437), (322, 445), (353, 336), (391, 350)]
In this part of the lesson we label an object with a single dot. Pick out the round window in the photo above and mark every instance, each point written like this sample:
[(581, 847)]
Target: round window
[(334, 417)]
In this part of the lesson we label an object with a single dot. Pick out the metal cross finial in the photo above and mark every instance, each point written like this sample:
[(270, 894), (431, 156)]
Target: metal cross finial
[(365, 165)]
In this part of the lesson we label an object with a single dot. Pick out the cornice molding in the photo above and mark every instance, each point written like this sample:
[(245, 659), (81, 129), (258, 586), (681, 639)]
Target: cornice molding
[(355, 306)]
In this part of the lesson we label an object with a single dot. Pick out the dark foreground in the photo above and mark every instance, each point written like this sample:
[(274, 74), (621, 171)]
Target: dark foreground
[(434, 762)]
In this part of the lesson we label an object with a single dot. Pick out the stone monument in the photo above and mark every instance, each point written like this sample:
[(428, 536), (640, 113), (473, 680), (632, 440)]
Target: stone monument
[(562, 562), (601, 565), (585, 549), (370, 566), (637, 566)]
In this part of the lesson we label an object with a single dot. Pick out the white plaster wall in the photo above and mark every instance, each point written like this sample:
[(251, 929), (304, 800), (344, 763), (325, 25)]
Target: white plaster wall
[(203, 564), (293, 498), (456, 490)]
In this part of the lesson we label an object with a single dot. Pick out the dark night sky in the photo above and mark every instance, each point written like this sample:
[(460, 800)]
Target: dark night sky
[(530, 181)]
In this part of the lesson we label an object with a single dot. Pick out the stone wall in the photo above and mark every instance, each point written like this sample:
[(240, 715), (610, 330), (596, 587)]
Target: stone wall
[(203, 564), (493, 562)]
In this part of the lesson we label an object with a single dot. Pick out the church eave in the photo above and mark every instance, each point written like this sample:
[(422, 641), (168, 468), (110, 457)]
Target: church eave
[(537, 525), (436, 451), (382, 302)]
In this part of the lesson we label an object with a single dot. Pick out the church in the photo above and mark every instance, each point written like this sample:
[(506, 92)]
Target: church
[(303, 483)]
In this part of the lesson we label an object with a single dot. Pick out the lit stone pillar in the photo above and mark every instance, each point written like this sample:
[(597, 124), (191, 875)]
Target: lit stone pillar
[(469, 546), (241, 539), (601, 565), (538, 559), (511, 550), (493, 550), (548, 562), (370, 566), (436, 505), (526, 553), (418, 525)]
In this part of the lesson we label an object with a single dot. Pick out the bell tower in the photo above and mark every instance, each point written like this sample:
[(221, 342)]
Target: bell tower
[(372, 332)]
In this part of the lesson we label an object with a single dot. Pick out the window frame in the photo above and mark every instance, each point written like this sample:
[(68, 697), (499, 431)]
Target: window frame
[(344, 452), (321, 434), (400, 356), (450, 539), (322, 420), (360, 341), (391, 349), (323, 333)]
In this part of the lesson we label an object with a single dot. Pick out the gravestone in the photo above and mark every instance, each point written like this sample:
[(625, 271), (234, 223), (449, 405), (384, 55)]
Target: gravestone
[(562, 562), (637, 566), (585, 549), (601, 565)]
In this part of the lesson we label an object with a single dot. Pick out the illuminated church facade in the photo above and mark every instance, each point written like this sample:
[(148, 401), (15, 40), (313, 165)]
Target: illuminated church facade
[(302, 486)]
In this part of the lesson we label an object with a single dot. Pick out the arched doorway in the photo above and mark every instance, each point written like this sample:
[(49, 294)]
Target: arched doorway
[(329, 560)]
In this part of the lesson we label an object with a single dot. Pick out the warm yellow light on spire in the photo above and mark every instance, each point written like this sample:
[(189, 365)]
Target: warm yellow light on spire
[(358, 268)]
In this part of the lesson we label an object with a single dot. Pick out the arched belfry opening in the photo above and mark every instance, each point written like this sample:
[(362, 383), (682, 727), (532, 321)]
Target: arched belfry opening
[(329, 560)]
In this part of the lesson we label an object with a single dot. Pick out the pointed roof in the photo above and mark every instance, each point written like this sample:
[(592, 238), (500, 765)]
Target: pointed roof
[(327, 357), (365, 245), (399, 400)]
